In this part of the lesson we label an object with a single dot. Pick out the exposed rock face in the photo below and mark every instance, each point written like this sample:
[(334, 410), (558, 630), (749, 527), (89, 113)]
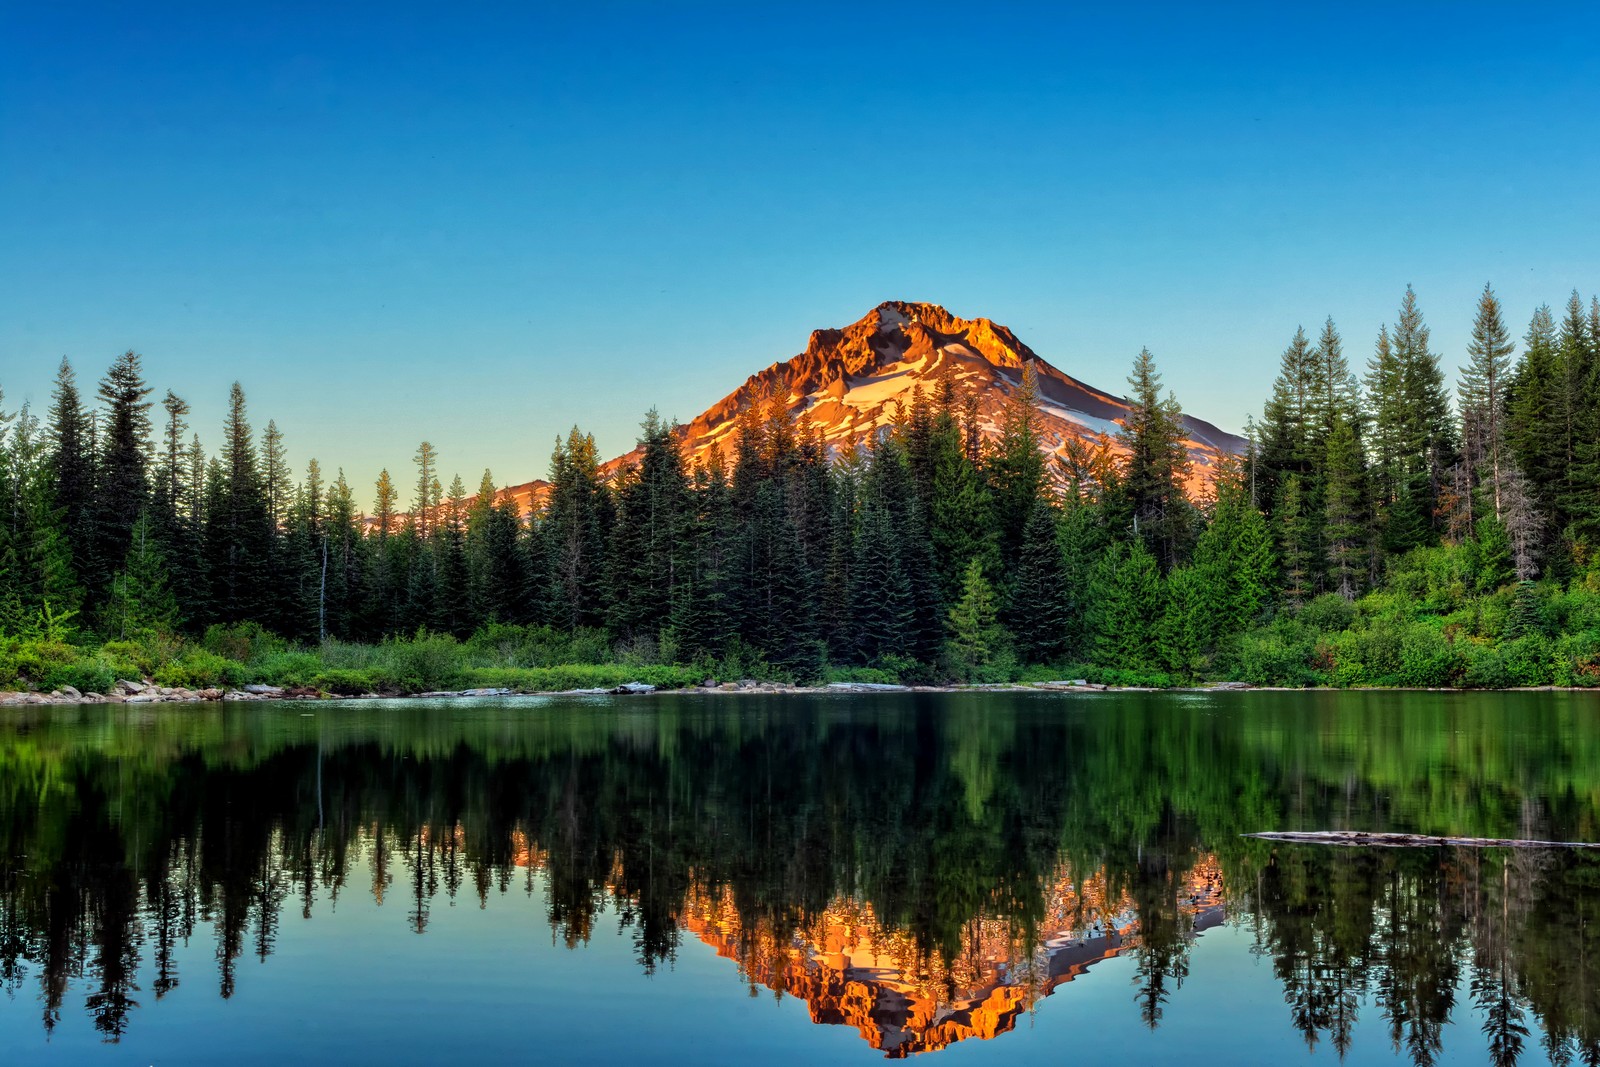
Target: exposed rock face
[(852, 381)]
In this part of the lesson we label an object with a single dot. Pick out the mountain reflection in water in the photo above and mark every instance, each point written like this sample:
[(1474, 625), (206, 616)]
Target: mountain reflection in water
[(923, 869)]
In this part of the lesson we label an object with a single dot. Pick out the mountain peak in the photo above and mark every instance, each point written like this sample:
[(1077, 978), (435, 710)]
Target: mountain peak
[(853, 380)]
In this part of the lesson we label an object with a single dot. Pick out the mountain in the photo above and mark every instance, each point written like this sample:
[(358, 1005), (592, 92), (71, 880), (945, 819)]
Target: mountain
[(849, 382)]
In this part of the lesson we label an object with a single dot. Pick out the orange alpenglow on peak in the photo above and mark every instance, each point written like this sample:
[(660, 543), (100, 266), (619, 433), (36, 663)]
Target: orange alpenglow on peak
[(851, 382), (853, 970)]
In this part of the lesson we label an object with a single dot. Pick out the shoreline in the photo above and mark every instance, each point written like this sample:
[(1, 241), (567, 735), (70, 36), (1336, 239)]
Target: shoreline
[(146, 692)]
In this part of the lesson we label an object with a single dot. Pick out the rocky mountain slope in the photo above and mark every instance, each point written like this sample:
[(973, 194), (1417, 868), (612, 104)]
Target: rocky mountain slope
[(851, 381)]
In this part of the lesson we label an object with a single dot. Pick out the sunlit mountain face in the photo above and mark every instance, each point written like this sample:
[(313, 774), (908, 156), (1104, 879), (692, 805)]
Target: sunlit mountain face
[(852, 382), (919, 870)]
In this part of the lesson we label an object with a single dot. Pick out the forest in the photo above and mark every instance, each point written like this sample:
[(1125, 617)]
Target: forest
[(1377, 532)]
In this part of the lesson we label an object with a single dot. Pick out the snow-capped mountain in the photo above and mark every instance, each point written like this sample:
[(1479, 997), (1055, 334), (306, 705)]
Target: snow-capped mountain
[(849, 382)]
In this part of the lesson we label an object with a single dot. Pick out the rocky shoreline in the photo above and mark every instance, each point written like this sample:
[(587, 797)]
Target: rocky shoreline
[(128, 691)]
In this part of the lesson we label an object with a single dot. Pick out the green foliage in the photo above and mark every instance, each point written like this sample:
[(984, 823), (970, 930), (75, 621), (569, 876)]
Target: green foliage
[(1328, 614), (979, 650), (578, 676), (1279, 655), (201, 668)]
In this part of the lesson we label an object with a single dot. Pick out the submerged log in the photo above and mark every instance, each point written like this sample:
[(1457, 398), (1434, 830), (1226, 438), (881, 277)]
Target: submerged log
[(1386, 840)]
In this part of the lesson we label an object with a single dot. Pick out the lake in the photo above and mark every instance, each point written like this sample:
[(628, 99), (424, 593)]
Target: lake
[(800, 879)]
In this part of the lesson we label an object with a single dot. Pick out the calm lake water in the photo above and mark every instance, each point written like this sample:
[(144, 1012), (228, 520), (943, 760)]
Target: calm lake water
[(800, 879)]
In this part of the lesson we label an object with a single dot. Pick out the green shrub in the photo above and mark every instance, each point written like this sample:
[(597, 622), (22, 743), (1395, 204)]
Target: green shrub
[(200, 668), (1328, 614), (95, 673), (1527, 660), (423, 663), (1271, 657), (293, 669), (345, 682), (243, 642), (1428, 660), (578, 676), (872, 675), (36, 660), (1486, 668), (1577, 659)]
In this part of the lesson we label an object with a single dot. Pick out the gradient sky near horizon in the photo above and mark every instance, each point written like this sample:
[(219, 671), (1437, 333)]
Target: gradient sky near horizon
[(482, 226)]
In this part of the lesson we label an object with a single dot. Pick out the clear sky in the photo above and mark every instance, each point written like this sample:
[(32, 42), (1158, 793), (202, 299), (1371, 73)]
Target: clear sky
[(481, 226)]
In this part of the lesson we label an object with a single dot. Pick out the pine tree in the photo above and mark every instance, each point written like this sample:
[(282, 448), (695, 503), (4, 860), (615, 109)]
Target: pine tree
[(1015, 469), (122, 484), (1483, 395), (1293, 553), (1344, 515), (880, 591), (276, 482), (72, 462), (1157, 467), (1187, 630), (141, 597), (1578, 361), (1234, 556), (960, 514), (977, 643), (36, 573), (426, 502), (700, 621), (1341, 392), (1081, 539), (1040, 612), (1125, 607), (1430, 439), (646, 558), (1291, 423), (575, 526), (238, 532), (454, 614), (384, 498), (1534, 422)]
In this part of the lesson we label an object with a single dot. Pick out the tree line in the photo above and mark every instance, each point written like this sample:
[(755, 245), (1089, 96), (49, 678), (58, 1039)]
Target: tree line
[(931, 551)]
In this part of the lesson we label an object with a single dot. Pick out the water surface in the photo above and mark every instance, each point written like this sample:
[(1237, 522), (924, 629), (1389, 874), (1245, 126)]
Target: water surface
[(800, 879)]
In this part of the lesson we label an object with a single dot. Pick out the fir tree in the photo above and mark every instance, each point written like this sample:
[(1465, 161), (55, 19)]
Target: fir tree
[(960, 517), (1534, 422), (122, 484), (1125, 607), (880, 591), (426, 502), (1344, 518), (1483, 395), (977, 643), (1187, 630), (238, 532), (1016, 468), (646, 559), (1293, 554), (575, 525), (141, 598), (72, 463), (1040, 612), (1157, 466)]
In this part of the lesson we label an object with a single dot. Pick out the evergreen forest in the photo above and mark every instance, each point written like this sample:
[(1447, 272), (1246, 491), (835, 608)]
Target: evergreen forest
[(1380, 530)]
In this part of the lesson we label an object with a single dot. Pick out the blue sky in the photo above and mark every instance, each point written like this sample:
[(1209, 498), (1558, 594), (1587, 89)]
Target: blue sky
[(393, 222)]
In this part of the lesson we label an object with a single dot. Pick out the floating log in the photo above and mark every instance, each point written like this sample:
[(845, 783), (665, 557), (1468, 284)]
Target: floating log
[(1385, 840)]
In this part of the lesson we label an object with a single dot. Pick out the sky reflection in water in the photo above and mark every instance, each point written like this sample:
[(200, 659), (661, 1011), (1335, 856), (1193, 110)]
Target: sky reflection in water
[(729, 879)]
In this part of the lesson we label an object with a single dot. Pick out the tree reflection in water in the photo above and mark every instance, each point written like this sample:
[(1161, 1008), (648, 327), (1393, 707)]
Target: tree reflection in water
[(922, 869)]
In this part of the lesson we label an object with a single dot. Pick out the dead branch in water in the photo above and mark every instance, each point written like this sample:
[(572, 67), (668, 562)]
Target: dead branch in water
[(1384, 840)]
